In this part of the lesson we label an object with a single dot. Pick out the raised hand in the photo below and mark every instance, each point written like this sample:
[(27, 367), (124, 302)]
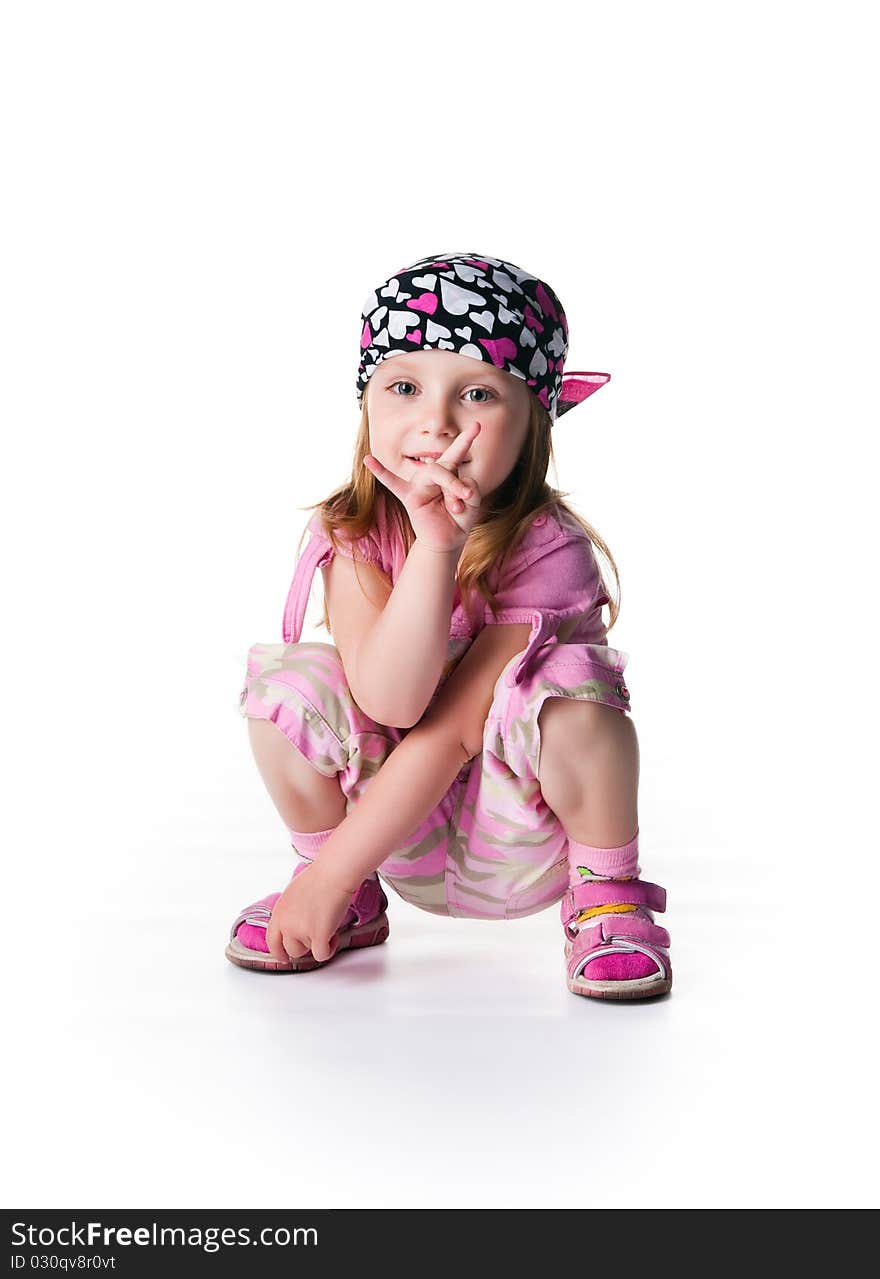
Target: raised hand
[(442, 508)]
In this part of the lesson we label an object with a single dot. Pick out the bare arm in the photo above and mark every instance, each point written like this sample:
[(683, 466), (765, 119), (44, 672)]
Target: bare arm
[(421, 768), (400, 659), (394, 661), (409, 786)]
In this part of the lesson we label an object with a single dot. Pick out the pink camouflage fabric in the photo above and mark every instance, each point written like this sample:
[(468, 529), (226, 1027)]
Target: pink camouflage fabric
[(491, 849)]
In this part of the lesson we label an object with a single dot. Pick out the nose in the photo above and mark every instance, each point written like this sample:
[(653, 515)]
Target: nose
[(438, 440), (439, 429), (441, 418)]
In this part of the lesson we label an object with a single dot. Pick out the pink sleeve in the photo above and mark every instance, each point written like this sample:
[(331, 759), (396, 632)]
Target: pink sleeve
[(560, 577), (548, 584)]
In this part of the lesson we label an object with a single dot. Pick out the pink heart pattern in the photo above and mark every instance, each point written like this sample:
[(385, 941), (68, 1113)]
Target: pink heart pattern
[(481, 307)]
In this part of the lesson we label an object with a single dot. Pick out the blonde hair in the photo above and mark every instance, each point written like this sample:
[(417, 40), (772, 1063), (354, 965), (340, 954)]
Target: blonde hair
[(514, 505)]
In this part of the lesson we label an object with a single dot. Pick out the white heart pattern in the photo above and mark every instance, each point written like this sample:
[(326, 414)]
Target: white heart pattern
[(484, 318), (400, 321), (434, 332), (520, 319), (456, 300)]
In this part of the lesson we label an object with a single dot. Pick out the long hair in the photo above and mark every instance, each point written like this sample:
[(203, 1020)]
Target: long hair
[(504, 521)]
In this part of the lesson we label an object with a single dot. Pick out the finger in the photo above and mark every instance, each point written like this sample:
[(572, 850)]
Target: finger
[(472, 495), (459, 446), (321, 948), (445, 479), (275, 944), (471, 498), (458, 507), (294, 946), (386, 477)]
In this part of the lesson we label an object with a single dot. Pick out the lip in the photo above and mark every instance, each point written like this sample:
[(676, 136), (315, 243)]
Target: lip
[(433, 457)]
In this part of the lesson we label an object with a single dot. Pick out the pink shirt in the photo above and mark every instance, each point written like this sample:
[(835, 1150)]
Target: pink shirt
[(551, 578)]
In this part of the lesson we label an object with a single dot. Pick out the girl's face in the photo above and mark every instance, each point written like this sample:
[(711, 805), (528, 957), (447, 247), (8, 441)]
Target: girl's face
[(421, 402)]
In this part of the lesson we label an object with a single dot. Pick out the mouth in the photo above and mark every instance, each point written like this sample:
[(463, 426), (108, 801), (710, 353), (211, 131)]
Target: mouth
[(429, 457)]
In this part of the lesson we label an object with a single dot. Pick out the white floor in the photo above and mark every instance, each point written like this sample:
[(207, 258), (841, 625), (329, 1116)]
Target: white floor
[(448, 1068)]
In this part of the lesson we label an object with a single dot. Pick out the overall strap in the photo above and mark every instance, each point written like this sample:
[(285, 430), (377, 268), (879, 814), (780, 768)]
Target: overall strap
[(318, 552)]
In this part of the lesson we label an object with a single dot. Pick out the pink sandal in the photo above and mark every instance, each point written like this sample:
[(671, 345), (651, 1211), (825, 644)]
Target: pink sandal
[(628, 953), (366, 924)]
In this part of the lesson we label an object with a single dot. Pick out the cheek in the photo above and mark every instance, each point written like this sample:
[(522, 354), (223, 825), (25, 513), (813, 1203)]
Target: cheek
[(381, 436), (498, 458), (387, 448)]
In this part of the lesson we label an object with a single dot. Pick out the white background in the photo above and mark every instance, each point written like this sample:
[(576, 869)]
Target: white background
[(194, 195)]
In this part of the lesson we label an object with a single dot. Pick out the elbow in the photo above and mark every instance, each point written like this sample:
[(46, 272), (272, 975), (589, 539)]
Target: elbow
[(389, 711), (389, 719), (404, 719), (388, 716), (364, 698)]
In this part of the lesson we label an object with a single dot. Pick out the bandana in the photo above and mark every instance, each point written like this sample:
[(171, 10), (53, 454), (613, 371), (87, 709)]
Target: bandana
[(480, 307)]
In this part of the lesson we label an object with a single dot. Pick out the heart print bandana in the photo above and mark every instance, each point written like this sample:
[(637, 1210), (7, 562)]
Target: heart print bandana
[(480, 307)]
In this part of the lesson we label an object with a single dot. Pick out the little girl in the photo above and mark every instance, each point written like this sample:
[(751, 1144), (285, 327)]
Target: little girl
[(466, 738)]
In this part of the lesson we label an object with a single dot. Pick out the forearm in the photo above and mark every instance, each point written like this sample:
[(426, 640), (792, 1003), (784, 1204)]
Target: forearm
[(401, 658), (409, 786)]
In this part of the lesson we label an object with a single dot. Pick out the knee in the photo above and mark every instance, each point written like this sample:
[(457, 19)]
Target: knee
[(571, 724), (266, 659), (293, 677)]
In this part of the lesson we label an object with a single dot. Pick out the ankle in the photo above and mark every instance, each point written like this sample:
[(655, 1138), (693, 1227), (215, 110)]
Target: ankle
[(307, 843), (586, 861)]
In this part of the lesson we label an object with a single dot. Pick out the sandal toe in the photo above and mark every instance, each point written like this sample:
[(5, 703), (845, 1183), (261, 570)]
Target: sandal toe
[(616, 954), (366, 924), (624, 966)]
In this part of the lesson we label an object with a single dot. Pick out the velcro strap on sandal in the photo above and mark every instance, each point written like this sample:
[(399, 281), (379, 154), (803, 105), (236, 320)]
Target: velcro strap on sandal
[(605, 938), (368, 902), (606, 928), (611, 892)]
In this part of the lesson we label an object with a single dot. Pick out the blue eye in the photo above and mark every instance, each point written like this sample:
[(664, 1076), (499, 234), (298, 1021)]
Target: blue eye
[(471, 388)]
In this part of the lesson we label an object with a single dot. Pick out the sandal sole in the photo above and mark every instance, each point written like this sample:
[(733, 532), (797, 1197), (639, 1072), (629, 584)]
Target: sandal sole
[(371, 934), (645, 988)]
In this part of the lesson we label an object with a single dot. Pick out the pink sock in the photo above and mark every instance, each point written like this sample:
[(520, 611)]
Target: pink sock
[(586, 862), (307, 844)]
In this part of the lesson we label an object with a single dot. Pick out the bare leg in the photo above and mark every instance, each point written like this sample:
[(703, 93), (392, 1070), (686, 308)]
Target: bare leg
[(589, 770), (306, 800)]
